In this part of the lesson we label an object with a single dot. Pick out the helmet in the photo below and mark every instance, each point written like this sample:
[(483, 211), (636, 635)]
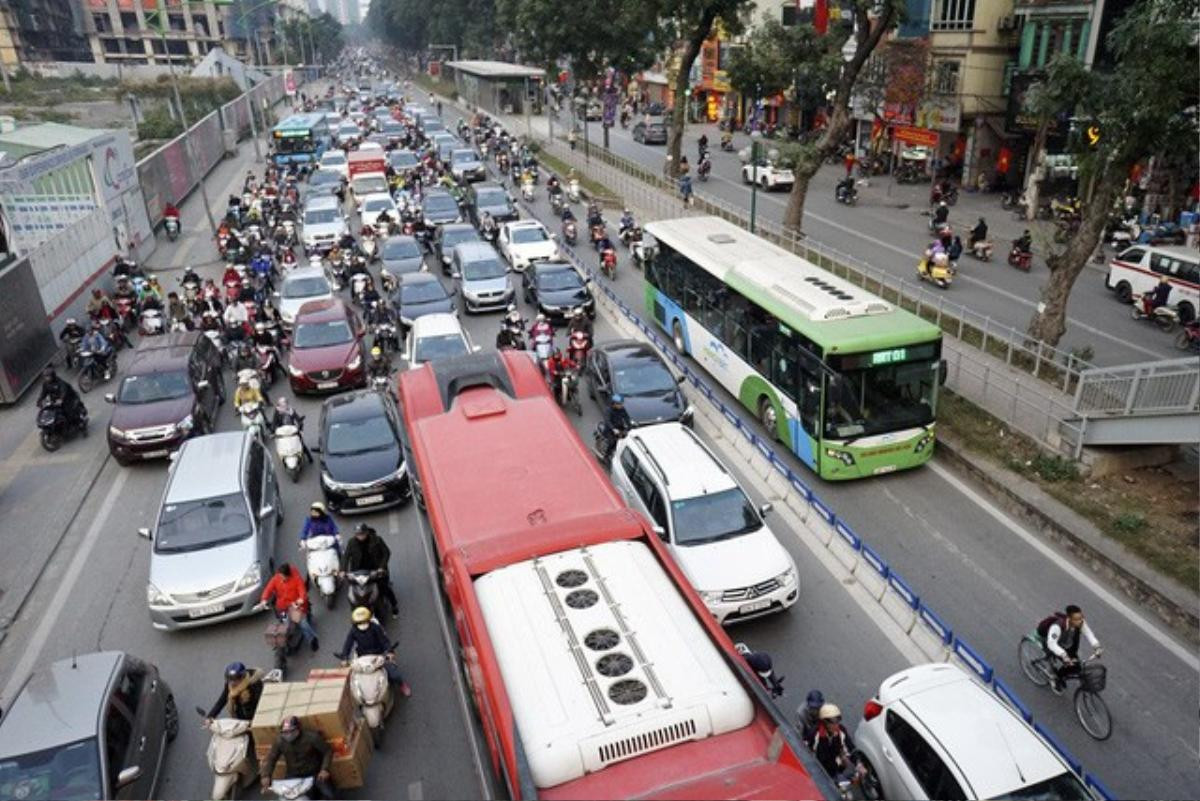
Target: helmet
[(317, 506), (70, 321), (740, 647), (361, 614), (376, 352), (234, 670), (815, 699), (541, 318), (363, 528), (260, 327), (281, 404), (616, 398), (829, 711), (290, 723), (49, 373)]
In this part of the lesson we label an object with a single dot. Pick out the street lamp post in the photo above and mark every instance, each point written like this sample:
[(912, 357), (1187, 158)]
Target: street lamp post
[(755, 136)]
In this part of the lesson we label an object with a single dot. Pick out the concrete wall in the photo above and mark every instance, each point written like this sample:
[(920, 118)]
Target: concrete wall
[(129, 72)]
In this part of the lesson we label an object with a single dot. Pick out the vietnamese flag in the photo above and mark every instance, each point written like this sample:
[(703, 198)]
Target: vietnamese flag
[(820, 16)]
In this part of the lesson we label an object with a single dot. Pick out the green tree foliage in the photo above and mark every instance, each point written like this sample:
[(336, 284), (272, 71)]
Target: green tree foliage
[(1144, 105), (777, 58), (412, 25)]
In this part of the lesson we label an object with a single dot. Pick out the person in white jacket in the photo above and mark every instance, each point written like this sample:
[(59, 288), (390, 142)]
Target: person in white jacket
[(1063, 634)]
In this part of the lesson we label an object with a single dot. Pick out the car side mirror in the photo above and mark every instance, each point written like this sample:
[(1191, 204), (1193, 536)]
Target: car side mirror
[(266, 510), (144, 533), (110, 397), (680, 379), (765, 509), (129, 775), (661, 532)]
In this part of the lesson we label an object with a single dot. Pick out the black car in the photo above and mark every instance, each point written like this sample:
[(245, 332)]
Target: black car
[(492, 198), (440, 208), (635, 371), (418, 294), (447, 236), (555, 288), (362, 461)]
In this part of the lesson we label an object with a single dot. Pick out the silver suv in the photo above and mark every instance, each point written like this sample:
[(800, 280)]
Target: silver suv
[(214, 537), (482, 276)]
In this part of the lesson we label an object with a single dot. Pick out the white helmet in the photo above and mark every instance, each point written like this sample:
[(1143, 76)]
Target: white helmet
[(742, 648)]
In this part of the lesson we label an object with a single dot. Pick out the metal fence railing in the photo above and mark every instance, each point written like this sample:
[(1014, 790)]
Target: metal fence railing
[(1161, 387)]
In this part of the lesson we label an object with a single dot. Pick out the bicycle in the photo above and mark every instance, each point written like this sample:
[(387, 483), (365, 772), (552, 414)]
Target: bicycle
[(1039, 665)]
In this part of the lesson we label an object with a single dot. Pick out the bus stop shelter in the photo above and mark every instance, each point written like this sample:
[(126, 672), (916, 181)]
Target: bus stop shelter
[(497, 87)]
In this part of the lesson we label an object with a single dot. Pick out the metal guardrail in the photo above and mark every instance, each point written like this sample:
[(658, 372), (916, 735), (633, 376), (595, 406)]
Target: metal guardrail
[(1150, 387)]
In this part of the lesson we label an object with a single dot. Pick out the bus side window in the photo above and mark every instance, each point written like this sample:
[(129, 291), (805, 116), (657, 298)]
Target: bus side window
[(783, 364), (763, 330), (736, 310)]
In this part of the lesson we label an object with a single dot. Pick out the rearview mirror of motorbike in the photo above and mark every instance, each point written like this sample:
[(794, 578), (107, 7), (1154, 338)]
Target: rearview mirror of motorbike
[(144, 533)]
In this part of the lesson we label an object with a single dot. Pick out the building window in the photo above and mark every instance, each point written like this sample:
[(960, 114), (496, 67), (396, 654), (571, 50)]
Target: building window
[(102, 23), (953, 15), (177, 22), (112, 45), (129, 22), (200, 24), (945, 77)]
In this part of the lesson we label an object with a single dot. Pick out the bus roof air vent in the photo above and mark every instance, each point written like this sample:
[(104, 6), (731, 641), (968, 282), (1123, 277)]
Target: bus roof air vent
[(721, 239)]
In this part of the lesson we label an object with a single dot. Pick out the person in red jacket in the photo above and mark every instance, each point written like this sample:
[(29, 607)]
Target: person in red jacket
[(285, 588)]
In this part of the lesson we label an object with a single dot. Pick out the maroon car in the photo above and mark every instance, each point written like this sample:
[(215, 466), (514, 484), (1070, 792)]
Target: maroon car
[(327, 350)]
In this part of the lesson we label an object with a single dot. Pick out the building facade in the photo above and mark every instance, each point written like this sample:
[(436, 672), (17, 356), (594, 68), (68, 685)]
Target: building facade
[(42, 30), (138, 32)]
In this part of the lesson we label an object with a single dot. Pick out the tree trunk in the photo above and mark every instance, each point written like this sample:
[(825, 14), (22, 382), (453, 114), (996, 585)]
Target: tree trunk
[(1049, 323), (1031, 180), (691, 50), (809, 160)]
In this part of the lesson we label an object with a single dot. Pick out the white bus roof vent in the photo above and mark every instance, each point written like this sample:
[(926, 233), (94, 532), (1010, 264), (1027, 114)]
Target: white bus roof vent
[(721, 239)]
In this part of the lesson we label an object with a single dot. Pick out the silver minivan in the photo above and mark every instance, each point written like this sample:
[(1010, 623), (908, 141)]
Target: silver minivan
[(214, 536), (483, 277)]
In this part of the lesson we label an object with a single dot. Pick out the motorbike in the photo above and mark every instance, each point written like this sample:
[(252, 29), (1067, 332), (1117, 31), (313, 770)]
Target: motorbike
[(981, 249), (268, 364), (1165, 317), (126, 312), (579, 344), (171, 226), (150, 323), (604, 442), (71, 351), (358, 285), (386, 337), (573, 190), (230, 759), (527, 191), (322, 560), (283, 635), (290, 451), (55, 427), (608, 263), (1021, 259), (846, 194), (362, 589), (567, 391), (1189, 337), (556, 202), (252, 415), (938, 272), (543, 347), (704, 168), (570, 232), (641, 252), (368, 245), (630, 234), (92, 371), (596, 233), (371, 691), (292, 789)]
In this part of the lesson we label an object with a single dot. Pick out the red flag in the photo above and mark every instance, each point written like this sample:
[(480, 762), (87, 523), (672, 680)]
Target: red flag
[(820, 16)]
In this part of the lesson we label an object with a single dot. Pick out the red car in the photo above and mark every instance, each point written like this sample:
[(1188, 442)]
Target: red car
[(327, 350)]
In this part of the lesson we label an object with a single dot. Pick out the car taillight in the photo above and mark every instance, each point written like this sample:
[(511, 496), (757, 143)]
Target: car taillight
[(872, 709)]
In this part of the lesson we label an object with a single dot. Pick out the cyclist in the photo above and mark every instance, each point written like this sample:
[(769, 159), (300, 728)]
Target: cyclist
[(1061, 633)]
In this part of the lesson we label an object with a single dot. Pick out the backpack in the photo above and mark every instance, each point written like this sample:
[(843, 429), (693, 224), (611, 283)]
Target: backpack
[(1043, 628)]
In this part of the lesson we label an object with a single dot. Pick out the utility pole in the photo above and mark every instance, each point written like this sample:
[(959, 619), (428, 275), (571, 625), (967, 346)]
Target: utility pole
[(187, 139)]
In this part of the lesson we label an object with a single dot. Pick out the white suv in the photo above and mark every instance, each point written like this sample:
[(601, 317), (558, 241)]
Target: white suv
[(708, 523), (935, 732)]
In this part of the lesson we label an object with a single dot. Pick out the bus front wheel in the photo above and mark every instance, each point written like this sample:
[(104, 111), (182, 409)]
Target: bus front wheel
[(768, 418), (677, 337)]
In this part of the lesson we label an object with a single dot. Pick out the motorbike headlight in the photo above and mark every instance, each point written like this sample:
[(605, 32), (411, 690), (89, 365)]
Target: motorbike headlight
[(251, 578), (287, 316), (355, 363), (155, 597), (116, 433)]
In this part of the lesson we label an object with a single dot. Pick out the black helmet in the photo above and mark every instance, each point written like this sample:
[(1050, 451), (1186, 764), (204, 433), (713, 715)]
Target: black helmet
[(234, 670), (49, 374)]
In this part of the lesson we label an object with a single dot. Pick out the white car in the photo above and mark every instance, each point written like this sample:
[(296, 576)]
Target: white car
[(523, 242), (300, 286), (369, 145), (436, 336), (336, 160), (933, 731), (374, 204), (348, 132), (710, 526), (768, 176)]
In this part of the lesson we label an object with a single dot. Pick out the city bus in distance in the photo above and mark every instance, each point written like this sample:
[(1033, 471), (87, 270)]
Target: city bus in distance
[(595, 668), (300, 138), (847, 381)]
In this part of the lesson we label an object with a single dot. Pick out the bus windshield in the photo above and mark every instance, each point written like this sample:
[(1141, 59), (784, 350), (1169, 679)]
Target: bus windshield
[(294, 144), (862, 403)]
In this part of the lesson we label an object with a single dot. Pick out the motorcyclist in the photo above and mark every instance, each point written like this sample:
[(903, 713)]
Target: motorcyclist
[(305, 753), (567, 215), (955, 248), (72, 331), (702, 145), (285, 415), (366, 550), (101, 349), (169, 210), (237, 320), (247, 392), (808, 715), (1162, 291), (320, 523), (940, 214), (368, 638), (1024, 243), (557, 366), (190, 276), (177, 311), (832, 745), (627, 222), (760, 663), (844, 187), (487, 225), (579, 321), (541, 326), (55, 390), (978, 233), (240, 693), (284, 589), (377, 366), (508, 338), (617, 424), (726, 140), (99, 306)]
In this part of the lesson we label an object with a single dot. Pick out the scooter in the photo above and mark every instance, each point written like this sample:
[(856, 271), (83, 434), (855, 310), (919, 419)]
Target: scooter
[(573, 190), (704, 168), (937, 270), (358, 285), (556, 202), (543, 347), (608, 263), (252, 415), (570, 232), (290, 451), (527, 191), (362, 589), (567, 391), (1189, 337), (322, 557), (232, 763), (55, 427), (1165, 317), (371, 691), (981, 249), (1021, 259), (641, 253), (151, 323), (846, 194), (368, 245), (579, 344)]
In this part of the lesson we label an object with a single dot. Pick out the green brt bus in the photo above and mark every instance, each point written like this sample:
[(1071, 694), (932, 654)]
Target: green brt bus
[(846, 380), (299, 139)]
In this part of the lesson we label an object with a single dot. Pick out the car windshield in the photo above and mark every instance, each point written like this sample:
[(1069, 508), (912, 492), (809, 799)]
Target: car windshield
[(368, 184), (322, 177), (350, 437), (1063, 786), (422, 291), (483, 270), (379, 204), (397, 248), (333, 160), (862, 403), (715, 516), (460, 156), (392, 127), (321, 216), (439, 346), (439, 203), (403, 159), (195, 525), (559, 279), (153, 387), (310, 287), (491, 197), (69, 772), (322, 335), (528, 234), (349, 130), (642, 377), (450, 238)]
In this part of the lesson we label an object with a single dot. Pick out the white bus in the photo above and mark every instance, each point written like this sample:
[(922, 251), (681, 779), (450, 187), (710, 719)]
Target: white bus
[(1137, 270)]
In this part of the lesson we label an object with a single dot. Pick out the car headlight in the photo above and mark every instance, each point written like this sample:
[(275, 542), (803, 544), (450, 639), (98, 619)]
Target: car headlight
[(711, 596), (355, 363), (845, 457), (251, 578), (185, 424), (294, 370), (117, 433), (155, 597), (786, 577)]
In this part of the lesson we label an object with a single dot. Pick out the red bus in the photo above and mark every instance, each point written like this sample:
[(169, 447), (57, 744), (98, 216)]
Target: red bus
[(596, 670)]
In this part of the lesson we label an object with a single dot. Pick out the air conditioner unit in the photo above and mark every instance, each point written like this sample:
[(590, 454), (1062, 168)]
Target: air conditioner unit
[(1008, 23)]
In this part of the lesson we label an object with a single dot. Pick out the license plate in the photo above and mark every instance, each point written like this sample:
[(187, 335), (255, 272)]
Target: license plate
[(205, 611), (368, 500), (755, 606), (327, 385), (155, 454)]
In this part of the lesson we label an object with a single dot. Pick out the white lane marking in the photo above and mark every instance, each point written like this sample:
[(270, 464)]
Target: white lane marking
[(66, 587), (416, 792), (455, 674), (1126, 611)]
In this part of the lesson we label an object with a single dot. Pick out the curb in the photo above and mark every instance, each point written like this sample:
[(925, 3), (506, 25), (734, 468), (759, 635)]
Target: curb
[(1128, 572)]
